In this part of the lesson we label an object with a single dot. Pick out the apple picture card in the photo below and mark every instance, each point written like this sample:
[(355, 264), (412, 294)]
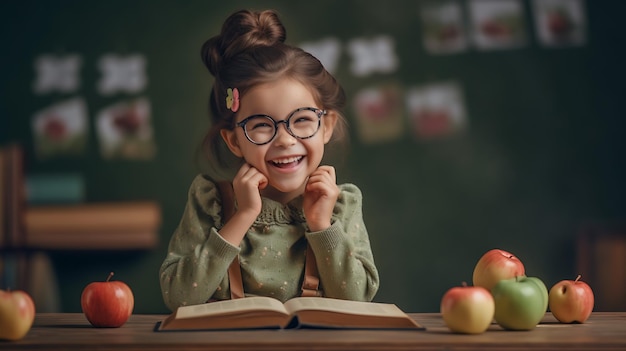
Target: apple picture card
[(379, 113), (125, 130), (61, 129), (560, 22), (497, 24), (443, 27), (436, 110)]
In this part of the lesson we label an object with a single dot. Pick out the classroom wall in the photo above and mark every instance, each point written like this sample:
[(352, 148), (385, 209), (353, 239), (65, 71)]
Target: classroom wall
[(539, 156)]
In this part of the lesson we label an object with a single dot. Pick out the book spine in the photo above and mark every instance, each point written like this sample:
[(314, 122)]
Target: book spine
[(3, 207), (15, 196), (54, 189)]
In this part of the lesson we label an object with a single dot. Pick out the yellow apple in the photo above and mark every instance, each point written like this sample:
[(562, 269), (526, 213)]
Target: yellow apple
[(17, 312), (467, 309)]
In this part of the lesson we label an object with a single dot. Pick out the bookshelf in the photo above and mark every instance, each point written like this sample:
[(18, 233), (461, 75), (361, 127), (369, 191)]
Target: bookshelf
[(131, 225), (60, 220)]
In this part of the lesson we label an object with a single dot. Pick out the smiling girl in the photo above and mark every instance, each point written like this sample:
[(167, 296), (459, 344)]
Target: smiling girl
[(293, 231)]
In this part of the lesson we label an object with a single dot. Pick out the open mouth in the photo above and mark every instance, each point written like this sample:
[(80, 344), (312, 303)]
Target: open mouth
[(287, 162)]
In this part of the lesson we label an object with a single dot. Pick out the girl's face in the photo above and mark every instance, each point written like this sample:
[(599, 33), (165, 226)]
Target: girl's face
[(286, 161)]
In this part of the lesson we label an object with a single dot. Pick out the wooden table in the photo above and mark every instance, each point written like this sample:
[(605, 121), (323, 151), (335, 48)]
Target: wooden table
[(603, 331)]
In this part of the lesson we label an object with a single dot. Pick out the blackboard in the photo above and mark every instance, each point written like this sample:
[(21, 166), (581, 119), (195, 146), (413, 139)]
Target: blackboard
[(540, 156)]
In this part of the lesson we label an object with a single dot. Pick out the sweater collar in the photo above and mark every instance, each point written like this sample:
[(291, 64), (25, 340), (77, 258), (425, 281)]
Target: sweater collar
[(276, 212)]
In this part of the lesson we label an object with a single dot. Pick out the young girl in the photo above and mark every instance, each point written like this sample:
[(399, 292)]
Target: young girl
[(275, 107)]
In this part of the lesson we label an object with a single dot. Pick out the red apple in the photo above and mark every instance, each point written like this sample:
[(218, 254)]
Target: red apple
[(107, 304), (496, 265), (467, 309), (571, 301), (17, 312)]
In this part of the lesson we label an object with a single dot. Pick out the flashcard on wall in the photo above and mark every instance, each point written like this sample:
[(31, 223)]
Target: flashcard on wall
[(560, 22), (376, 55), (61, 129), (57, 74), (125, 130), (443, 28), (327, 50), (379, 113), (497, 24), (436, 110), (125, 74)]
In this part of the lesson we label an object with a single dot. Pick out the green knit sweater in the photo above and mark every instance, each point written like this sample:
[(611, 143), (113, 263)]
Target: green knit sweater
[(272, 253)]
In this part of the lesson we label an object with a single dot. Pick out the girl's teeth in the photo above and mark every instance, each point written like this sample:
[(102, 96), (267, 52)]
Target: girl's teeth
[(287, 160)]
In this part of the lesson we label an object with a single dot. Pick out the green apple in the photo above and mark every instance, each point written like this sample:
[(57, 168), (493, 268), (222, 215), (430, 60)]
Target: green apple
[(467, 309), (17, 312), (521, 302)]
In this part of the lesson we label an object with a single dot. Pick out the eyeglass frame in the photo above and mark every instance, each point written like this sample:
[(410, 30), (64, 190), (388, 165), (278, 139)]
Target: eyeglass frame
[(319, 112)]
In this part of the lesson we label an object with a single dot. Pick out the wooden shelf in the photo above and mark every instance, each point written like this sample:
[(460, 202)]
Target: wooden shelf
[(94, 241), (100, 226)]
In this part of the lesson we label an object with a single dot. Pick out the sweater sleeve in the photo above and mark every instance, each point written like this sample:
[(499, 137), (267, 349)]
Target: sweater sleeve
[(344, 257), (198, 257)]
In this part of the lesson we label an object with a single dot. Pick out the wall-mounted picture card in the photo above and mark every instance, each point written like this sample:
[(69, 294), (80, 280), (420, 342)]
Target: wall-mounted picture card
[(443, 26), (61, 129), (60, 74), (379, 113), (327, 50), (372, 55), (436, 110), (560, 22), (497, 24), (122, 74), (125, 130)]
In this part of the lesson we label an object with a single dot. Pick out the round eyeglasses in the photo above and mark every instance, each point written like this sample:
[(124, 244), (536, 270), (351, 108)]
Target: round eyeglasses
[(302, 123)]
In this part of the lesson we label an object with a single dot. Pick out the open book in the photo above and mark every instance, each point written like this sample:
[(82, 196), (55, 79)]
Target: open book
[(266, 312)]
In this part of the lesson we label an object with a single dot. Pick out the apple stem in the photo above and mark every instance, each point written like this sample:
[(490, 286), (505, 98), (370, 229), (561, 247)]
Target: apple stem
[(110, 276), (577, 278), (464, 284)]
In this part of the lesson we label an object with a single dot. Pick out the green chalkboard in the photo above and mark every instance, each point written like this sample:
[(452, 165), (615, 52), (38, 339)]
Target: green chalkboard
[(540, 153)]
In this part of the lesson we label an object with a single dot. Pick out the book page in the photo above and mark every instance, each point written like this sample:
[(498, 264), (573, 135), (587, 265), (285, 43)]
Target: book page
[(343, 306), (255, 303)]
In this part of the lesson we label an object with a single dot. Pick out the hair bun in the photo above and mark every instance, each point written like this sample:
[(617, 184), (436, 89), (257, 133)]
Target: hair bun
[(242, 31)]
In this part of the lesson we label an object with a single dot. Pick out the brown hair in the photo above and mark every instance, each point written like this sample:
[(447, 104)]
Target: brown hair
[(251, 50)]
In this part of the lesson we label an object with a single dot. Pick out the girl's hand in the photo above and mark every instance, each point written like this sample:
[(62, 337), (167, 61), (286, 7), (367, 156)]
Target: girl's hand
[(320, 195), (246, 184)]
